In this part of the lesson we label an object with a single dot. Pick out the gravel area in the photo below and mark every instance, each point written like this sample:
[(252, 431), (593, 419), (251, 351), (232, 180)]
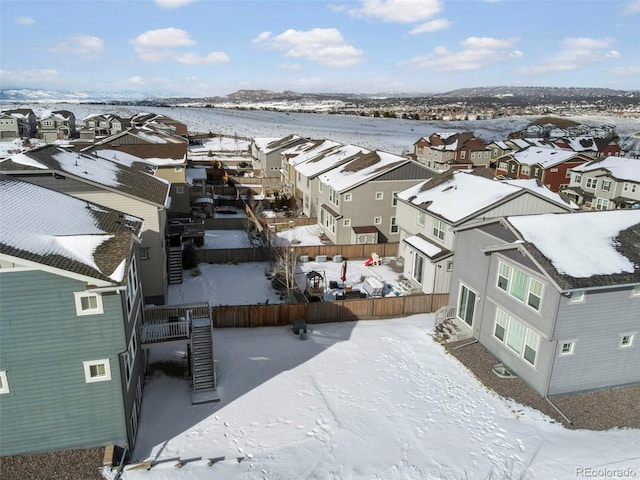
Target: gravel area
[(64, 465), (598, 410)]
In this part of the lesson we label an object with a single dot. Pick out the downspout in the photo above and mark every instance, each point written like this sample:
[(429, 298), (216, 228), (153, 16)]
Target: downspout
[(121, 466), (558, 410)]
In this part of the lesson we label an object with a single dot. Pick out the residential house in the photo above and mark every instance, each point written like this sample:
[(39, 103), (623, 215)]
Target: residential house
[(150, 119), (607, 183), (9, 127), (357, 201), (96, 126), (442, 151), (266, 153), (113, 185), (27, 121), (554, 297), (548, 165), (428, 214), (71, 366), (499, 148), (307, 174), (595, 147), (298, 155), (57, 125)]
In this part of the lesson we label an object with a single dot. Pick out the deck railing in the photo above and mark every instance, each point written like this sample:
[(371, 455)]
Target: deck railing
[(162, 332), (445, 313)]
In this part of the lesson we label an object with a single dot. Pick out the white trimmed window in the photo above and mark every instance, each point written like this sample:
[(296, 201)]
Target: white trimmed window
[(379, 195), (520, 286), (602, 204), (567, 348), (319, 187), (88, 303), (629, 187), (348, 197), (626, 340), (520, 339), (144, 253), (418, 267), (420, 218), (97, 370), (535, 294), (346, 222), (591, 183), (606, 185), (394, 225), (504, 274), (438, 229), (394, 199), (578, 296), (334, 197), (502, 165), (450, 266), (377, 220), (4, 383)]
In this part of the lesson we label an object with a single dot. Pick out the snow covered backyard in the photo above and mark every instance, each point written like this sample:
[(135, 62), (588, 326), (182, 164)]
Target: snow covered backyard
[(368, 400)]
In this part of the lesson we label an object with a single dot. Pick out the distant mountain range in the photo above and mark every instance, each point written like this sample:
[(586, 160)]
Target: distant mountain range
[(482, 94)]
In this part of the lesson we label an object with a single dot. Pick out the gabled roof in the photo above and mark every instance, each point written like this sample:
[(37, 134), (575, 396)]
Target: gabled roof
[(282, 143), (363, 168), (458, 195), (582, 250), (546, 157), (620, 168), (91, 169), (306, 152), (65, 233), (329, 159)]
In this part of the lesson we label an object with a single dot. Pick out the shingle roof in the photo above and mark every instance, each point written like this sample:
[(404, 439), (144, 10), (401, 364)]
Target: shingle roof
[(90, 168), (56, 230)]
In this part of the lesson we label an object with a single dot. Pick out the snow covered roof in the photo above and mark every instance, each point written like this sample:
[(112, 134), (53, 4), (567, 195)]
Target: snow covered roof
[(621, 168), (328, 160), (281, 143), (581, 144), (126, 159), (63, 232), (361, 169), (310, 151), (538, 188), (90, 168), (585, 249), (544, 156), (456, 195), (424, 245)]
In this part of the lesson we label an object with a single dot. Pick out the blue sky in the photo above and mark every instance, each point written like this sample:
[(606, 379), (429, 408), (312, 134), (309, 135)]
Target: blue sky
[(209, 47)]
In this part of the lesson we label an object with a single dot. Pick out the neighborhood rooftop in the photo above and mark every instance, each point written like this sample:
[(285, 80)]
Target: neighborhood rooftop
[(361, 169), (544, 156), (622, 168)]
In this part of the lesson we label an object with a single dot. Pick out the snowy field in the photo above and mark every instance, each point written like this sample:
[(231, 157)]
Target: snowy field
[(389, 135), (368, 400)]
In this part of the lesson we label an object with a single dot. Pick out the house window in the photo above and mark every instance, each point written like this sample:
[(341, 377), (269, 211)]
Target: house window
[(502, 320), (502, 165), (578, 296), (377, 220), (462, 154), (567, 348), (178, 169), (450, 266), (418, 266), (554, 170), (97, 370), (591, 183), (394, 199), (504, 274), (518, 285), (513, 168), (130, 357), (379, 195), (606, 185), (319, 187), (394, 225), (466, 304), (517, 336), (525, 169), (346, 222), (577, 179), (420, 219), (532, 340), (626, 340), (333, 197), (179, 190), (535, 294), (438, 229), (88, 303), (602, 204), (144, 253), (4, 383), (348, 197)]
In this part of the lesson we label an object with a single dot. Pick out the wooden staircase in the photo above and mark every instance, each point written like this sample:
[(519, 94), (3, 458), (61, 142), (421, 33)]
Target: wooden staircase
[(202, 363), (175, 265)]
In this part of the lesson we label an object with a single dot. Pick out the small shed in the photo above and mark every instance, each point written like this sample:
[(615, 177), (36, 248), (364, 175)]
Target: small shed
[(373, 286)]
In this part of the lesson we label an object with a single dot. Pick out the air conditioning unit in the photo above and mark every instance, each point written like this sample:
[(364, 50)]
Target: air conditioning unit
[(303, 258), (321, 258)]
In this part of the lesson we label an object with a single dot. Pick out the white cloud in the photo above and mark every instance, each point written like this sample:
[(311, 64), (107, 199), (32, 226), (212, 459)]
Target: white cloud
[(27, 77), (632, 7), (161, 44), (79, 44), (325, 46), (172, 4), (432, 26), (398, 11), (575, 53), (25, 21), (477, 53), (627, 70)]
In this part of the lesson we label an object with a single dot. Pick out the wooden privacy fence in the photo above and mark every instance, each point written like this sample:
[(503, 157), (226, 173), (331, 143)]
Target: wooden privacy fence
[(233, 255), (241, 316)]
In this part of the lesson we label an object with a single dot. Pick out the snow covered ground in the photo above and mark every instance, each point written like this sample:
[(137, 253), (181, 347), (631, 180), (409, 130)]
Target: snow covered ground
[(367, 400), (378, 400), (389, 135)]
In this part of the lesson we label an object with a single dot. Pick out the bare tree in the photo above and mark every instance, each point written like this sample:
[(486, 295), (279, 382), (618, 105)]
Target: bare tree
[(284, 269)]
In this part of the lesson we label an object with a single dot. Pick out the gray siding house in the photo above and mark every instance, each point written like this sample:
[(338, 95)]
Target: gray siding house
[(267, 153), (130, 189), (555, 297), (71, 366)]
